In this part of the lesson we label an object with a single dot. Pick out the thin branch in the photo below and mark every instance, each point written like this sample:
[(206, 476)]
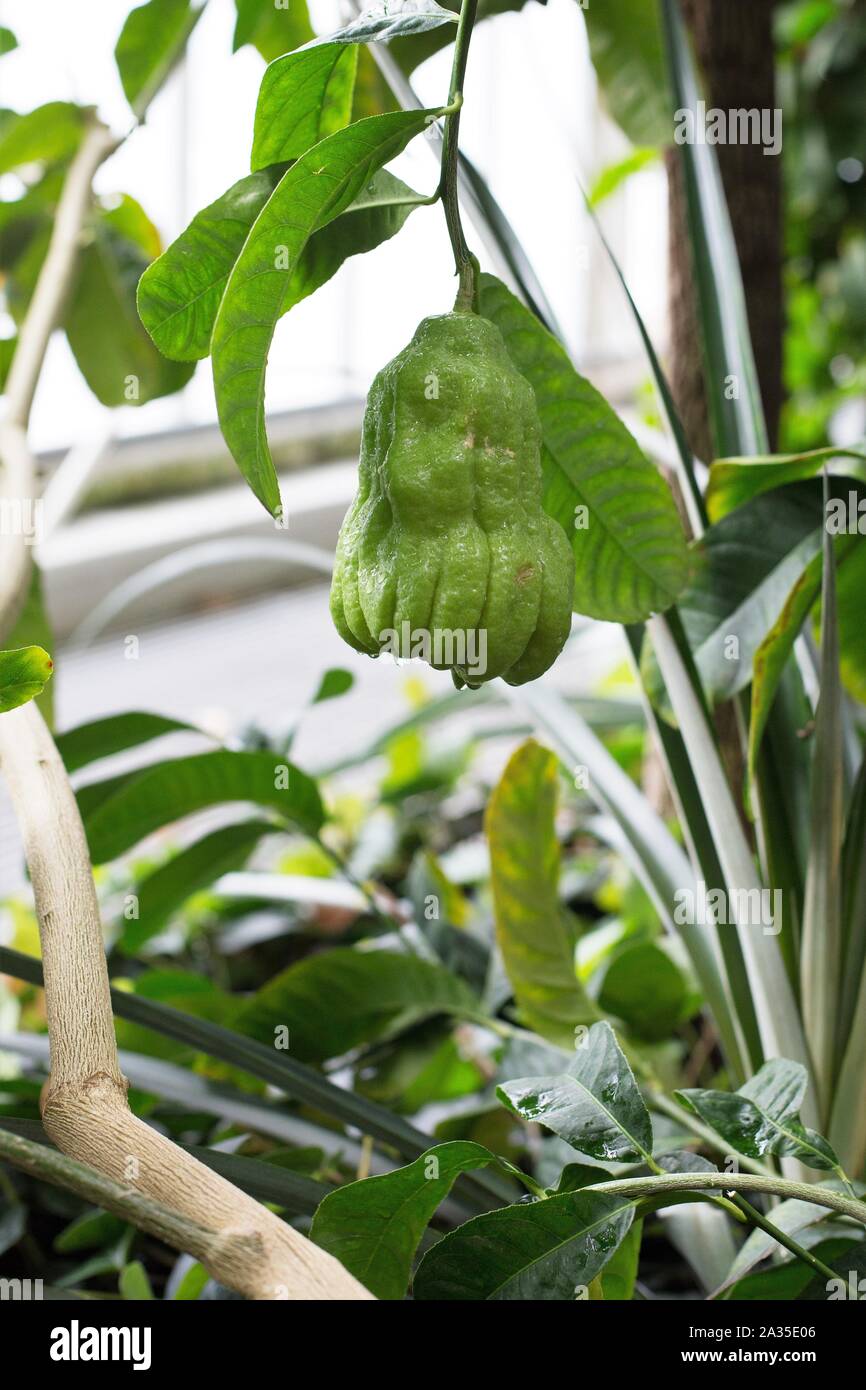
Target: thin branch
[(734, 1182)]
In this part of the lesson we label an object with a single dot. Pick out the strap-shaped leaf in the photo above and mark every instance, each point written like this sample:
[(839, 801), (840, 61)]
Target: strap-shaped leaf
[(23, 675), (594, 1104), (763, 1116), (535, 931), (179, 295), (101, 738), (734, 481), (542, 1250), (373, 1227), (120, 812), (628, 540), (321, 185)]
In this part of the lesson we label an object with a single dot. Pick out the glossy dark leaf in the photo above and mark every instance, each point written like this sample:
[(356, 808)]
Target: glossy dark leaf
[(374, 1227), (147, 800), (763, 1116), (593, 1104), (317, 189), (615, 507), (544, 1250)]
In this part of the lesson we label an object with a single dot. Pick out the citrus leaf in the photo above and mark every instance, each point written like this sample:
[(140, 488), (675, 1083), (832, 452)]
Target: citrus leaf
[(304, 97), (23, 675), (373, 1227), (322, 184), (119, 813), (594, 1104), (734, 481), (101, 738), (151, 41), (179, 295), (625, 44), (534, 930), (271, 28), (332, 1002), (763, 1116), (50, 133), (628, 541), (532, 1251)]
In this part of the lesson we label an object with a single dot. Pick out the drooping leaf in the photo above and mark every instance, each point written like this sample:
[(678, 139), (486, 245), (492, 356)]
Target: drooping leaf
[(24, 672), (304, 97), (151, 42), (101, 738), (626, 47), (613, 504), (271, 28), (536, 934), (112, 349), (179, 295), (165, 890), (332, 1002), (594, 1104), (45, 136), (763, 1116), (374, 1227), (543, 1250), (322, 184), (153, 797)]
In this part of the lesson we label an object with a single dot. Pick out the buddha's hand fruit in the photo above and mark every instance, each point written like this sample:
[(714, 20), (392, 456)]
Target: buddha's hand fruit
[(446, 552)]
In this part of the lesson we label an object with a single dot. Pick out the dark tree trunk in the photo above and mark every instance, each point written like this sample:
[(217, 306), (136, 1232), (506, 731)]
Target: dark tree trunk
[(734, 48)]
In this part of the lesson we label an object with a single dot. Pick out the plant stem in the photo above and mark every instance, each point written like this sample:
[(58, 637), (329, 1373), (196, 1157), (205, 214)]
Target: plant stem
[(783, 1239), (734, 1182), (465, 263)]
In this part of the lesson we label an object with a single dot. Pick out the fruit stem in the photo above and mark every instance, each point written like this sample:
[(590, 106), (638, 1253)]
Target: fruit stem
[(465, 263)]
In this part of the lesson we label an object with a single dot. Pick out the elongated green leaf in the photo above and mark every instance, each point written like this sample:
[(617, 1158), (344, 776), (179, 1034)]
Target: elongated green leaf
[(151, 41), (332, 1002), (155, 796), (304, 97), (625, 43), (594, 1105), (321, 185), (165, 890), (744, 568), (853, 907), (763, 1116), (134, 1284), (270, 28), (45, 136), (179, 295), (543, 1250), (734, 481), (299, 1082), (619, 1275), (112, 349), (614, 505), (87, 743), (24, 673), (821, 947), (536, 934), (850, 582), (374, 1227)]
